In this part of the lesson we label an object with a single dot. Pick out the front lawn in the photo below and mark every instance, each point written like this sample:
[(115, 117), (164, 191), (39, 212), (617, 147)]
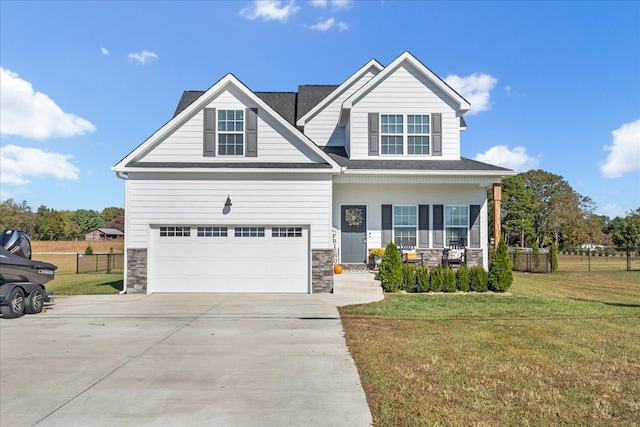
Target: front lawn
[(563, 349)]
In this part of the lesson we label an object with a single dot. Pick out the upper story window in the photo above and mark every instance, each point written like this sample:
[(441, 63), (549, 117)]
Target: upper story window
[(230, 132), (391, 133), (396, 138)]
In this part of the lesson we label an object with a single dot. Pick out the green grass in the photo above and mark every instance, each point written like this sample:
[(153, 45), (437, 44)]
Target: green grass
[(564, 348), (86, 284)]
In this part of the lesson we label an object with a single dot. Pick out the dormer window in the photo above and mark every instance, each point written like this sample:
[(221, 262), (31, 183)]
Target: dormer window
[(398, 139)]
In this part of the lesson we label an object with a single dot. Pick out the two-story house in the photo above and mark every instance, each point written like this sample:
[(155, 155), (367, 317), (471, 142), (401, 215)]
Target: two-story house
[(246, 191)]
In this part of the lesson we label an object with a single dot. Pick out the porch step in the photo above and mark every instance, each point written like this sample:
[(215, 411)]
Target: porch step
[(356, 282)]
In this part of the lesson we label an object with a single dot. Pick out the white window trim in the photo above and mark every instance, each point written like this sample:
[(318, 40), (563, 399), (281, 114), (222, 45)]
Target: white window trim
[(466, 228), (393, 222), (405, 134), (231, 132)]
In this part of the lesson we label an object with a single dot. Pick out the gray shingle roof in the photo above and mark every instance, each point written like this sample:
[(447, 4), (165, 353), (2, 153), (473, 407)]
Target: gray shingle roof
[(310, 95), (283, 102), (339, 155), (111, 231), (187, 98)]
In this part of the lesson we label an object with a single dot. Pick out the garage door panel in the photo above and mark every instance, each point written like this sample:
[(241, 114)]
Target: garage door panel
[(230, 263)]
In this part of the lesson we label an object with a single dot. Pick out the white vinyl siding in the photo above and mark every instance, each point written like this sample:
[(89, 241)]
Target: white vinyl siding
[(323, 127), (405, 92), (257, 198), (275, 143)]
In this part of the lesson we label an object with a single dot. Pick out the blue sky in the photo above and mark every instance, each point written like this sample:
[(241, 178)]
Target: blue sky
[(553, 85)]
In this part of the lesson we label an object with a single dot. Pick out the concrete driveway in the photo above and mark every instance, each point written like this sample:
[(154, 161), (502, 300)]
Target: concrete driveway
[(181, 360)]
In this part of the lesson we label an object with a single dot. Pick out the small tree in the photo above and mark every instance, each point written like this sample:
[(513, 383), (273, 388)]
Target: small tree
[(89, 250), (449, 276), (536, 255), (500, 274), (478, 279), (390, 271), (462, 278), (422, 279), (436, 279), (553, 255)]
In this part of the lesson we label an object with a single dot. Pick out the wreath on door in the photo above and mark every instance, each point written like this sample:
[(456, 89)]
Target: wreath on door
[(353, 217)]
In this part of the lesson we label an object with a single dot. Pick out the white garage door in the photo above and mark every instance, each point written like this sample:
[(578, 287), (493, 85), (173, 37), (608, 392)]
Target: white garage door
[(257, 259)]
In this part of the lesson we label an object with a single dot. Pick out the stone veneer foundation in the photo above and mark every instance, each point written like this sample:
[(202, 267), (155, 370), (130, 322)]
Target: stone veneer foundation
[(137, 271), (321, 271)]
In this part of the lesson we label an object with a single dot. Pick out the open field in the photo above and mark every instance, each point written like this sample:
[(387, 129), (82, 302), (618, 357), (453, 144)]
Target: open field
[(99, 246), (563, 349)]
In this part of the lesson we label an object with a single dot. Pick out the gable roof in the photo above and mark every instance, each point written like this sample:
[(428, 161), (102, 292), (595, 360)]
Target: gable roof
[(109, 231), (310, 95), (198, 102), (306, 113), (408, 58)]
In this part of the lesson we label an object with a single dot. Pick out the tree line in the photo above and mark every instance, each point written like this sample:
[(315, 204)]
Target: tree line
[(51, 224), (539, 208)]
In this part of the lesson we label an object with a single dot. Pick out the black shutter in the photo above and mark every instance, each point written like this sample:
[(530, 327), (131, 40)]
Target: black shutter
[(423, 226), (387, 224), (474, 232), (251, 132), (209, 141), (374, 134), (438, 226), (436, 134)]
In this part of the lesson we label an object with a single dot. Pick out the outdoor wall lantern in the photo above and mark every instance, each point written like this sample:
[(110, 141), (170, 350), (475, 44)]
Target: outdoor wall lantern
[(227, 204)]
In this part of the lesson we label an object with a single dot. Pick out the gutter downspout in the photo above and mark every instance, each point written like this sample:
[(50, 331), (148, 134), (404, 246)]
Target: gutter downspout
[(124, 177)]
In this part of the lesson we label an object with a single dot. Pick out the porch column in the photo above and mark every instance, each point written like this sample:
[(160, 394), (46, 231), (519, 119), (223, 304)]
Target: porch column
[(497, 226)]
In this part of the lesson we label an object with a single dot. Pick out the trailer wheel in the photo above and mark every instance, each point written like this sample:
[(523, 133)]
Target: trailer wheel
[(34, 301), (15, 306)]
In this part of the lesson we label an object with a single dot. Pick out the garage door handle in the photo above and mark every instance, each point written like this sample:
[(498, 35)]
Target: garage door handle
[(364, 240)]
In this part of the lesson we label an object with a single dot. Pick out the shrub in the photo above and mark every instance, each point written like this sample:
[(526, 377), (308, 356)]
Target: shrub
[(89, 250), (390, 271), (462, 279), (536, 256), (436, 279), (449, 284), (409, 278), (422, 279), (478, 279), (516, 256), (553, 255), (500, 274)]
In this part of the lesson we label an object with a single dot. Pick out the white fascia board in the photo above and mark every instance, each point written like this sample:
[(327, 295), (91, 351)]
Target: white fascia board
[(339, 90), (463, 104), (399, 172), (226, 171), (212, 93)]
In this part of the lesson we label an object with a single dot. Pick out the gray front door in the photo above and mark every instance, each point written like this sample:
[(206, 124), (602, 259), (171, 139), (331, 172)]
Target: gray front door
[(353, 226)]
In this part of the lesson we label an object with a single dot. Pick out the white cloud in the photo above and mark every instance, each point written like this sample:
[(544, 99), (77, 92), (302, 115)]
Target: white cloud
[(105, 51), (270, 10), (142, 57), (19, 164), (328, 24), (624, 156), (475, 89), (30, 114), (613, 210), (516, 159), (335, 4)]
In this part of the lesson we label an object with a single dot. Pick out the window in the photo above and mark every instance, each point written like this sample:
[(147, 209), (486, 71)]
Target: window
[(405, 223), (249, 231), (212, 231), (230, 132), (456, 223), (391, 132), (394, 133), (418, 134), (286, 232), (175, 231)]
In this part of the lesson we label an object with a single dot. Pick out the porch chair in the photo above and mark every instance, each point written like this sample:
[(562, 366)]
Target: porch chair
[(455, 254)]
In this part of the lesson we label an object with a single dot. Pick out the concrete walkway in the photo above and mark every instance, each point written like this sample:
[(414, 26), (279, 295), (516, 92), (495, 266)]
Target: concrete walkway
[(182, 360)]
